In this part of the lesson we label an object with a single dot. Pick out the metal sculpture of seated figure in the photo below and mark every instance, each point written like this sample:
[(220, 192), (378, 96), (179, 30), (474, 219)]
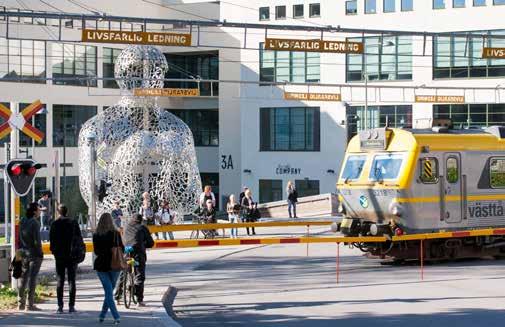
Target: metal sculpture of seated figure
[(140, 147)]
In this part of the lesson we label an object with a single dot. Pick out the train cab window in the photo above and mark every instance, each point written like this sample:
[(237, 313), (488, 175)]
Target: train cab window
[(452, 170), (429, 170), (497, 172), (386, 166), (353, 167)]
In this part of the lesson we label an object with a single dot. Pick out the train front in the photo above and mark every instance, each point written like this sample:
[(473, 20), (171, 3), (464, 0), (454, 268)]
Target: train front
[(376, 172)]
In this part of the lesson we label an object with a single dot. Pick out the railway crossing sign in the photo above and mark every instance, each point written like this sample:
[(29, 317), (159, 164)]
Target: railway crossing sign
[(20, 121)]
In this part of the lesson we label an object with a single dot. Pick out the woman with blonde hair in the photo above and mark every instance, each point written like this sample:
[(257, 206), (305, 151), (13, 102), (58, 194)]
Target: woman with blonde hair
[(105, 238), (233, 209), (207, 195)]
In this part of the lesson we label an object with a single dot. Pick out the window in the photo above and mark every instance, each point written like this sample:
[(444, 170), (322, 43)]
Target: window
[(290, 129), (67, 122), (498, 2), (276, 66), (109, 58), (74, 61), (39, 122), (389, 5), (22, 61), (438, 4), (39, 186), (471, 114), (479, 3), (204, 124), (386, 58), (407, 5), (353, 167), (70, 193), (385, 166), (190, 66), (428, 170), (307, 187), (452, 170), (265, 13), (270, 190), (497, 172), (297, 11), (458, 3), (280, 12), (396, 116), (370, 6), (351, 7), (314, 10)]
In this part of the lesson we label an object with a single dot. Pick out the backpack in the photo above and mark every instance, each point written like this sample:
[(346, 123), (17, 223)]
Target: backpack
[(77, 247)]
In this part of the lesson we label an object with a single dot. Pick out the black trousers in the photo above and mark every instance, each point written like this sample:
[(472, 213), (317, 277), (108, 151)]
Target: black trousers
[(138, 279), (62, 267), (30, 270)]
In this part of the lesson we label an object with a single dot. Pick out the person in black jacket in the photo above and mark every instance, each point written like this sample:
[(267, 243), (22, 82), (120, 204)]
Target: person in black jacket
[(65, 232), (104, 239), (138, 237), (30, 248), (248, 207)]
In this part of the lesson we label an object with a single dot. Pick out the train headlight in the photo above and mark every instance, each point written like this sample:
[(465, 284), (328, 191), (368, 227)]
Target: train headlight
[(396, 209)]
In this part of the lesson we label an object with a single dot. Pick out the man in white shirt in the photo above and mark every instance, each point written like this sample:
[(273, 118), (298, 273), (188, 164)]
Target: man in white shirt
[(166, 217)]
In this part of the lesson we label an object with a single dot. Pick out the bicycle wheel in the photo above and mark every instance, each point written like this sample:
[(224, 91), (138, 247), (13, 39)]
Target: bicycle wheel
[(127, 289)]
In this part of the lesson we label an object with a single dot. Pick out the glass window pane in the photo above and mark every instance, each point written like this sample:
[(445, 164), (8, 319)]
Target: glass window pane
[(297, 11), (407, 5), (428, 170), (458, 3), (438, 4), (370, 6), (389, 5), (314, 10), (497, 173), (452, 170), (264, 13), (280, 12), (478, 3), (351, 7)]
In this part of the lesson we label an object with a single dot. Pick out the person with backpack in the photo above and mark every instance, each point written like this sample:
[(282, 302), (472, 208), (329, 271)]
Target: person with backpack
[(68, 249), (292, 199), (30, 249)]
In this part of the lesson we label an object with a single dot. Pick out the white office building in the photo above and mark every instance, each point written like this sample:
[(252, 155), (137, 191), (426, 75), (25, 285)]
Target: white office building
[(247, 134)]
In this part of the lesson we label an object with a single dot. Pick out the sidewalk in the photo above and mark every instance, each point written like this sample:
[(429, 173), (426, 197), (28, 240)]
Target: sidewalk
[(89, 303)]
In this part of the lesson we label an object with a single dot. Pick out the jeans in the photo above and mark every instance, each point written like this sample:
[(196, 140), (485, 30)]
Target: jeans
[(70, 268), (233, 220), (108, 280), (292, 205), (30, 270), (164, 235)]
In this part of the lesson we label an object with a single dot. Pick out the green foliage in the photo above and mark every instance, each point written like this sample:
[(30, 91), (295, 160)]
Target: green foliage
[(497, 179), (8, 296), (452, 174)]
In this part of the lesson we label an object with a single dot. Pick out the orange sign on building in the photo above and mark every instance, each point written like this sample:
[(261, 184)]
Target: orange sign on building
[(440, 98), (493, 53), (166, 92), (125, 37), (313, 45), (312, 96)]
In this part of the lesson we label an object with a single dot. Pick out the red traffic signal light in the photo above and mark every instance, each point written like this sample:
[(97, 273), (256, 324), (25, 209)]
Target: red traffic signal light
[(16, 170)]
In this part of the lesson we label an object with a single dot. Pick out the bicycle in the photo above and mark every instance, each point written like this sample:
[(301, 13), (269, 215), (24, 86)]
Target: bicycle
[(129, 279)]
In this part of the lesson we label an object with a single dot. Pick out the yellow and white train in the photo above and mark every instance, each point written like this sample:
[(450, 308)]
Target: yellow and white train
[(396, 181)]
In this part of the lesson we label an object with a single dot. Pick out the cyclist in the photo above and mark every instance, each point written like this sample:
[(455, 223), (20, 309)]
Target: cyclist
[(138, 237)]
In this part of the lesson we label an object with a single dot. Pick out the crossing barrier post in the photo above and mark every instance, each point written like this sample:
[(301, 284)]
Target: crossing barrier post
[(422, 259), (338, 261)]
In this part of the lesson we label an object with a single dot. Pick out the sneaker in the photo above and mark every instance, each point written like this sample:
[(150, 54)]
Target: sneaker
[(100, 320), (116, 322), (21, 307), (72, 310), (32, 308), (141, 304), (60, 310)]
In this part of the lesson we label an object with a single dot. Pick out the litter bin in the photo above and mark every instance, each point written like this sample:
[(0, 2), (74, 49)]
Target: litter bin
[(5, 259)]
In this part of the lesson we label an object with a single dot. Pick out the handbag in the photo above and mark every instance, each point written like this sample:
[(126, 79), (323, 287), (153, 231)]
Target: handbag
[(77, 248), (16, 268), (118, 261)]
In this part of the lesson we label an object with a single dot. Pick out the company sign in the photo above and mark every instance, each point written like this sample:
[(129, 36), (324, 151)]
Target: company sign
[(440, 98), (166, 92), (125, 37), (313, 46), (287, 170), (312, 96), (493, 53)]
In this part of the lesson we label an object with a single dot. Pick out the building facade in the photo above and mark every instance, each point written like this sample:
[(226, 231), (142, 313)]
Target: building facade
[(247, 134)]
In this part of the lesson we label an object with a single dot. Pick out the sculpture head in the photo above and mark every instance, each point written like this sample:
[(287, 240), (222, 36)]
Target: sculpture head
[(140, 66)]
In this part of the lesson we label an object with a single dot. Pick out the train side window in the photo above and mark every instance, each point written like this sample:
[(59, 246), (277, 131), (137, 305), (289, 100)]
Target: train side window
[(452, 170), (429, 170), (497, 172)]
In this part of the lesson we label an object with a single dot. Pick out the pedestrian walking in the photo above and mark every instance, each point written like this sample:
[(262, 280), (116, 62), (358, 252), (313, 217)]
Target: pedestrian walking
[(117, 216), (233, 210), (105, 238), (137, 236), (46, 214), (248, 206), (207, 195), (166, 217), (67, 247), (30, 250), (292, 195)]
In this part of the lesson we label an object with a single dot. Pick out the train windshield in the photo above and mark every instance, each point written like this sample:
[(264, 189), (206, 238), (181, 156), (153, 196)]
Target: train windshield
[(353, 167), (386, 166)]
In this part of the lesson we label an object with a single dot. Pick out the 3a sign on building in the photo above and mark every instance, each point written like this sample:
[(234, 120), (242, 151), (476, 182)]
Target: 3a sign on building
[(166, 92), (493, 53), (126, 37), (313, 46), (440, 99), (312, 96)]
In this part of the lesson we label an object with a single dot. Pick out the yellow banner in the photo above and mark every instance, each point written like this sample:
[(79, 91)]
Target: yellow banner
[(125, 37), (440, 98), (312, 96), (493, 53), (313, 45), (166, 92)]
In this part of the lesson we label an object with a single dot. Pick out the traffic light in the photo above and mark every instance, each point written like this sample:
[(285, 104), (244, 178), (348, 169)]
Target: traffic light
[(102, 190), (21, 174)]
